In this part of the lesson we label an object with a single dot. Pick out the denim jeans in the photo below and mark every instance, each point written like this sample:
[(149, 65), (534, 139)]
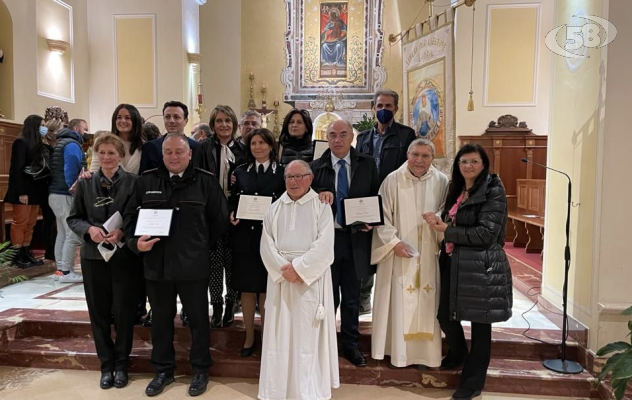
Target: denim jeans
[(67, 241)]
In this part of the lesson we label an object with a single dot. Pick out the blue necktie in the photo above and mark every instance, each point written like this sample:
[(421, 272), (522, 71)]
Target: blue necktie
[(343, 189)]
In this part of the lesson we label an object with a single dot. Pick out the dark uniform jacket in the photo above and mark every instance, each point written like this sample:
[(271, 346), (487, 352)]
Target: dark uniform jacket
[(364, 183), (86, 211), (480, 288), (397, 138), (200, 218)]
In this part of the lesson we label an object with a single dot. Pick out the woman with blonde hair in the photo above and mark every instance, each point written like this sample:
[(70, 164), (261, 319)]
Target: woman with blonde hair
[(110, 271)]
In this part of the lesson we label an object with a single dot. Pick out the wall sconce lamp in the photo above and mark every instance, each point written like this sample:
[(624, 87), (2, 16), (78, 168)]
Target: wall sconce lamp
[(194, 58), (57, 46)]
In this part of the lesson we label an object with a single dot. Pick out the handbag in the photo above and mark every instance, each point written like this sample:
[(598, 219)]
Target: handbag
[(38, 171)]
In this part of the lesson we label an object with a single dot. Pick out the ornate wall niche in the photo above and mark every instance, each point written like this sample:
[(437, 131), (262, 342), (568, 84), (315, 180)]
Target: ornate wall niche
[(333, 45)]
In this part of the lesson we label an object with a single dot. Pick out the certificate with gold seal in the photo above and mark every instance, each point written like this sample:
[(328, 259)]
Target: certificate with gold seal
[(253, 207), (363, 210), (153, 222)]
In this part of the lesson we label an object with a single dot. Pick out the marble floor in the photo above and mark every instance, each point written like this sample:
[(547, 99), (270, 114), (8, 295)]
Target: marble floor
[(53, 384), (45, 293)]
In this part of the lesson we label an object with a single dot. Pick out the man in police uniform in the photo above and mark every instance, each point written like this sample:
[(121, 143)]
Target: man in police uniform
[(178, 265)]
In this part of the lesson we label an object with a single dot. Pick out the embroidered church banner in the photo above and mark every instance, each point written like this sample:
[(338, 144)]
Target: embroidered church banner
[(429, 91)]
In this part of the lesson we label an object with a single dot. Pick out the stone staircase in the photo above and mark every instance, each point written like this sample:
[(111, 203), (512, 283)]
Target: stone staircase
[(63, 340)]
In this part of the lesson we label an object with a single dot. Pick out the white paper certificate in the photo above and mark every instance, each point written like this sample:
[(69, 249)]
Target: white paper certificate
[(367, 210), (153, 222), (253, 207), (320, 146)]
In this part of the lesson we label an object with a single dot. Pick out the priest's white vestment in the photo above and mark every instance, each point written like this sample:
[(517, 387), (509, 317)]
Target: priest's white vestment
[(299, 358), (406, 298)]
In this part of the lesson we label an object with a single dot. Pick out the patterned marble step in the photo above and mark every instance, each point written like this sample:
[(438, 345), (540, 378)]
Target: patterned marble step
[(509, 343), (505, 375)]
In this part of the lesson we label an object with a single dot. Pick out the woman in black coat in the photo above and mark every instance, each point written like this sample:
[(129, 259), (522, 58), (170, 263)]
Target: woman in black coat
[(110, 280), (26, 191), (295, 141), (475, 275), (262, 176)]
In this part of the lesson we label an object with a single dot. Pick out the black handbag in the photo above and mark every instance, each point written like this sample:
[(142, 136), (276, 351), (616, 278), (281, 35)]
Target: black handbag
[(38, 170)]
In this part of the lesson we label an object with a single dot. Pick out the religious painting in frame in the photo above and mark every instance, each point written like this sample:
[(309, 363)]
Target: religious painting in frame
[(333, 44), (429, 90)]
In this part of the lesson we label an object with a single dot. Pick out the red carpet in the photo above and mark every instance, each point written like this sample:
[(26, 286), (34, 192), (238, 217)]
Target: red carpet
[(533, 260)]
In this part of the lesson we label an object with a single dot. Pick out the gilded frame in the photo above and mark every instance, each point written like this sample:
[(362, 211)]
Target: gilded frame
[(358, 72)]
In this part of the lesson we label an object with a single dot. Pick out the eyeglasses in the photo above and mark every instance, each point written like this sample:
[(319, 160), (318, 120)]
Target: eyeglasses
[(473, 163), (103, 201), (297, 178), (425, 157)]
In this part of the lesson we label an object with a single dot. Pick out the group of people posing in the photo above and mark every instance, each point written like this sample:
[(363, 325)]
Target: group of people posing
[(438, 255)]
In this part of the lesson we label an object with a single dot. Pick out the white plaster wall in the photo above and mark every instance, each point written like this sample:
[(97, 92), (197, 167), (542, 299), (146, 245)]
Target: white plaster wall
[(191, 44), (475, 122), (169, 51), (220, 45), (25, 65), (613, 219)]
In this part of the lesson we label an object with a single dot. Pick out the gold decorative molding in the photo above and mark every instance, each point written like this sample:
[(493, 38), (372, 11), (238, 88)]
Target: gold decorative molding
[(57, 46)]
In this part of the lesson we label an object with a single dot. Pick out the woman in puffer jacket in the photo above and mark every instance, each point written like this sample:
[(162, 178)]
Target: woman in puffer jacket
[(475, 275)]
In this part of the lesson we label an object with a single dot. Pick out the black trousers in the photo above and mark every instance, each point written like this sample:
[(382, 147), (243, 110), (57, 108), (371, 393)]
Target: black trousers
[(344, 279), (477, 360), (111, 291), (194, 298), (221, 262), (49, 230)]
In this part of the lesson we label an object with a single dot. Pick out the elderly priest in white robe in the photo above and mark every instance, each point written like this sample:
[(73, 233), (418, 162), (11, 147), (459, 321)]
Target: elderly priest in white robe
[(299, 359), (406, 249)]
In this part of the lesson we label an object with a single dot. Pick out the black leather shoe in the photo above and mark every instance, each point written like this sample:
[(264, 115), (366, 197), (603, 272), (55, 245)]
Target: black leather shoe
[(229, 315), (158, 384), (184, 317), (198, 384), (28, 255), (120, 379), (465, 394), (148, 319), (451, 362), (216, 319), (106, 381), (355, 357), (247, 351), (19, 260)]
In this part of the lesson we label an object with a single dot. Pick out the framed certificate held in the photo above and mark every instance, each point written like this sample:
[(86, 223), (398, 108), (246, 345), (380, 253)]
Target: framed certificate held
[(253, 207), (153, 222), (320, 146), (363, 210)]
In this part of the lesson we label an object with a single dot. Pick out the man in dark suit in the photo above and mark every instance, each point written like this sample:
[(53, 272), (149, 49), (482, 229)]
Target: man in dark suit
[(387, 142), (342, 172), (179, 264), (175, 115)]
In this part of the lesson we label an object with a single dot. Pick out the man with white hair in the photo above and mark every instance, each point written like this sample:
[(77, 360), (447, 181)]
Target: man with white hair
[(299, 359), (406, 249)]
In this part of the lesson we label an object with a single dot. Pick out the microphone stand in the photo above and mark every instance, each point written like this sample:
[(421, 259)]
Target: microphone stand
[(563, 366)]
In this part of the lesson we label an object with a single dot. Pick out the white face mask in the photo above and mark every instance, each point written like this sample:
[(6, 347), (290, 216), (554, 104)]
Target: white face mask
[(105, 252)]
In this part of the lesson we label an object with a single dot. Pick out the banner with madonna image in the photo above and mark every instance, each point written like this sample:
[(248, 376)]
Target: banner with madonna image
[(429, 87)]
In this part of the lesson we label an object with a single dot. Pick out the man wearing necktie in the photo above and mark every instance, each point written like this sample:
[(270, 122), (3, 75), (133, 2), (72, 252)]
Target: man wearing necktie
[(341, 173)]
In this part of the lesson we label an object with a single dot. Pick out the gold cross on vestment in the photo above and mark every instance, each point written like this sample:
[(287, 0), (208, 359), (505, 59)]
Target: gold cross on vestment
[(428, 288), (410, 289)]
